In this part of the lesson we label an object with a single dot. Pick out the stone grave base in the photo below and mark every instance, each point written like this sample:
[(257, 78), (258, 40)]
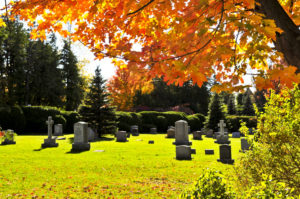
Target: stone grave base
[(6, 142), (209, 152), (197, 138), (120, 140), (228, 161), (76, 147), (182, 143), (49, 143), (228, 142)]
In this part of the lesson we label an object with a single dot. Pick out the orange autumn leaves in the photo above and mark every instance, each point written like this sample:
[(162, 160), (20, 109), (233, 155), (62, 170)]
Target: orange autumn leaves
[(180, 40)]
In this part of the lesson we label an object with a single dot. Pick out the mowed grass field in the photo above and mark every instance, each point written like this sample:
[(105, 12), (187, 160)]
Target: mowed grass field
[(134, 169)]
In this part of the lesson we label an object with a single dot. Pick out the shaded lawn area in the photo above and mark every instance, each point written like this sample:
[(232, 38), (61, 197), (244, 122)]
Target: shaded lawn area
[(134, 169)]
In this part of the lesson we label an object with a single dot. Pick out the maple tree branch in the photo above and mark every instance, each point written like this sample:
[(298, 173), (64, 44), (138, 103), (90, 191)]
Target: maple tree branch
[(141, 8)]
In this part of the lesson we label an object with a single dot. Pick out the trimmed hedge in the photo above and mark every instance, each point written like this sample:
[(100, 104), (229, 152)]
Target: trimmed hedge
[(160, 120), (36, 117), (12, 118), (234, 122)]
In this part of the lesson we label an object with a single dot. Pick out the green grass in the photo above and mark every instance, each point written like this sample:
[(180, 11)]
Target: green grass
[(134, 169)]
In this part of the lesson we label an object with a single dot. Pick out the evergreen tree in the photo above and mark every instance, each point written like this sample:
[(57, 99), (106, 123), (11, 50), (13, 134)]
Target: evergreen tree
[(260, 99), (215, 113), (248, 108), (97, 110), (231, 110), (73, 81), (240, 104)]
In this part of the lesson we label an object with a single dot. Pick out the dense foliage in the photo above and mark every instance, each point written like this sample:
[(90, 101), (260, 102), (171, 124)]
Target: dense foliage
[(276, 146), (97, 109), (215, 113)]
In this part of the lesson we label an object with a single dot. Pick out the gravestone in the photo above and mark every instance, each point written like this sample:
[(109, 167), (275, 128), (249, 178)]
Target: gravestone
[(245, 146), (251, 131), (58, 129), (10, 137), (197, 135), (225, 154), (184, 152), (153, 131), (171, 133), (209, 152), (91, 134), (236, 134), (49, 142), (181, 133), (134, 130), (151, 142), (210, 133), (222, 138), (81, 137), (121, 136), (225, 130)]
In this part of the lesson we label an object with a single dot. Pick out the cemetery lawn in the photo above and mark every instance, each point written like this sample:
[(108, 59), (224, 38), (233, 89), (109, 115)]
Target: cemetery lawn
[(134, 169)]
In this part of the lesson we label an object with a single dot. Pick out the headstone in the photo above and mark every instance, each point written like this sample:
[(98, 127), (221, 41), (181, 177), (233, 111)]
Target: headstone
[(58, 129), (49, 142), (225, 129), (134, 130), (251, 131), (210, 133), (171, 133), (81, 137), (121, 136), (197, 135), (181, 133), (184, 152), (236, 134), (222, 138), (151, 142), (10, 137), (245, 146), (225, 154), (209, 152), (91, 134), (153, 131)]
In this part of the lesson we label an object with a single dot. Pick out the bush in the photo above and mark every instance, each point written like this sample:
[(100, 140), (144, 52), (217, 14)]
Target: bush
[(12, 118), (234, 122), (127, 119), (173, 116), (161, 124), (211, 184), (196, 121)]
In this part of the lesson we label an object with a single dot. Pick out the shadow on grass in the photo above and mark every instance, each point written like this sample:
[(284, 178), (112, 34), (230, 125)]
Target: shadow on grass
[(76, 151), (38, 149), (103, 139)]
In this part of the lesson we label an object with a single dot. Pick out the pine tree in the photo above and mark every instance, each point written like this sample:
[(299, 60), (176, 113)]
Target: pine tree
[(72, 79), (97, 110), (260, 99), (215, 113), (248, 108), (231, 110)]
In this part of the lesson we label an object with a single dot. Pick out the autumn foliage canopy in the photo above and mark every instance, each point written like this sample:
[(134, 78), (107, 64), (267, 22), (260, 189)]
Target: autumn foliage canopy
[(174, 39)]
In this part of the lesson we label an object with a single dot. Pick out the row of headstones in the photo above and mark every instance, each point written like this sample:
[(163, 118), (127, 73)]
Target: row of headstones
[(121, 136), (81, 136), (9, 135)]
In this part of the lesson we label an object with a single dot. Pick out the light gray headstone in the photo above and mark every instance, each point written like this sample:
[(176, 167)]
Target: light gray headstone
[(184, 152), (222, 125), (80, 137), (197, 135), (121, 136), (181, 133), (50, 123), (49, 142), (58, 129), (171, 133)]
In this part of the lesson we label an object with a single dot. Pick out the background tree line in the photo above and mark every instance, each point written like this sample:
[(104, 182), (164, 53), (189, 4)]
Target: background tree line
[(35, 72)]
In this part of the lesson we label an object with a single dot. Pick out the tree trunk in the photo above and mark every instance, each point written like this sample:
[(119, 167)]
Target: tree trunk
[(288, 42)]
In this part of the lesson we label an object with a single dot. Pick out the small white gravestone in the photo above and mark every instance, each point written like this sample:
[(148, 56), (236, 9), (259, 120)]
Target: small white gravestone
[(222, 138), (49, 142), (58, 129), (134, 130), (171, 133), (121, 136), (184, 152), (181, 133), (81, 137), (197, 135)]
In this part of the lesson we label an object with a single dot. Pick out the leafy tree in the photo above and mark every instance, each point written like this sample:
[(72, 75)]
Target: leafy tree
[(215, 113), (72, 80), (248, 108), (182, 40), (97, 109), (231, 110), (276, 147)]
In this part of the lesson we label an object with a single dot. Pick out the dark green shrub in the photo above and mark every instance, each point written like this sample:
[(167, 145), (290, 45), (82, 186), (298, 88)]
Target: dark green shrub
[(127, 119), (173, 116), (59, 119), (196, 121), (145, 128), (71, 117), (161, 124), (12, 118), (210, 185), (234, 122)]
